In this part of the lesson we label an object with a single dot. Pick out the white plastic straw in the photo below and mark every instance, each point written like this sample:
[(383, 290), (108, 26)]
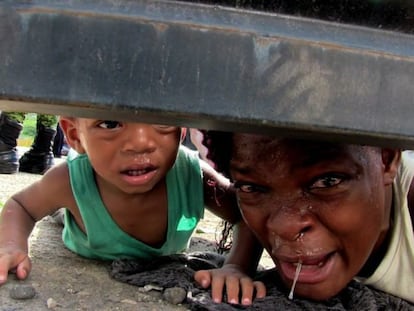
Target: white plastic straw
[(298, 268)]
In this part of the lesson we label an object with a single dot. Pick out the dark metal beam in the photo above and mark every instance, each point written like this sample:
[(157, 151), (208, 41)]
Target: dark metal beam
[(209, 67)]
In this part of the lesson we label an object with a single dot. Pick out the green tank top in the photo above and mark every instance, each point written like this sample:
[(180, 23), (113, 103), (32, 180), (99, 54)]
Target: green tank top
[(105, 240)]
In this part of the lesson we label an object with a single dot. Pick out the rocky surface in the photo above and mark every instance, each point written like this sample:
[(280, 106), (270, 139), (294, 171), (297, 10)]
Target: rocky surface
[(61, 280)]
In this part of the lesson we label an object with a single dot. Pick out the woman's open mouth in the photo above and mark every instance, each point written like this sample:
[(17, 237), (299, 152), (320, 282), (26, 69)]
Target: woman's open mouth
[(314, 269)]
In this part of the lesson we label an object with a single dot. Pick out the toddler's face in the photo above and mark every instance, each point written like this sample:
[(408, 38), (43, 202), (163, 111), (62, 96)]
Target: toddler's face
[(324, 205), (133, 157)]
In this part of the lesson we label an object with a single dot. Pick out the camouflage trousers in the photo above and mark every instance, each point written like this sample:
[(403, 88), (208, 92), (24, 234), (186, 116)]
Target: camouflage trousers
[(47, 120)]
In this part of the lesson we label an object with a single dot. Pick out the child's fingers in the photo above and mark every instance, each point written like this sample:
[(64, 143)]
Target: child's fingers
[(260, 289), (3, 276), (23, 269), (233, 289), (247, 287), (203, 277), (5, 266), (237, 287), (217, 287), (249, 290), (8, 263)]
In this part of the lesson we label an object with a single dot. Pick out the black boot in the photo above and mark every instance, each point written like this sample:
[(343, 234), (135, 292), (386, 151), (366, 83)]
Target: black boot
[(9, 132), (58, 142), (40, 156)]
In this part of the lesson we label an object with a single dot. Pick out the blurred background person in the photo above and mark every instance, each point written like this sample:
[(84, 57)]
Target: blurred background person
[(39, 158)]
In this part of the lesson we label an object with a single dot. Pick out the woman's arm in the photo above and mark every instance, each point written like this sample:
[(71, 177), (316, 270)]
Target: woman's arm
[(241, 263)]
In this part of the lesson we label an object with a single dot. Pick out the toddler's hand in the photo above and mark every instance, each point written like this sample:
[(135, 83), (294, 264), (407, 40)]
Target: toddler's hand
[(14, 260), (237, 285), (197, 138)]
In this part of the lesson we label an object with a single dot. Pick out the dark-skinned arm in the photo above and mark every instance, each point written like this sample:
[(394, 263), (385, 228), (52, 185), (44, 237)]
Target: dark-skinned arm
[(241, 263)]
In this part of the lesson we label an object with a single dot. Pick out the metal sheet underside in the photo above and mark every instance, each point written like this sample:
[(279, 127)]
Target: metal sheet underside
[(207, 66)]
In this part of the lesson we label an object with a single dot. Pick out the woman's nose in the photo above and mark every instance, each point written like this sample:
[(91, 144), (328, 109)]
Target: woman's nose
[(291, 223)]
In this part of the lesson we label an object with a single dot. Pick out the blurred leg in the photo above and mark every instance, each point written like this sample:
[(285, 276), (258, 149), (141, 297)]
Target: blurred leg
[(40, 156), (10, 129)]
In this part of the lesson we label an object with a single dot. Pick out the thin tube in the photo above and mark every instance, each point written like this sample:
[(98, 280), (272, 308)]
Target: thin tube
[(298, 268)]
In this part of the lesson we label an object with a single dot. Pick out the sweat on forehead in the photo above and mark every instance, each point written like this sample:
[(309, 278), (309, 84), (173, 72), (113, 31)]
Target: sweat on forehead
[(255, 147)]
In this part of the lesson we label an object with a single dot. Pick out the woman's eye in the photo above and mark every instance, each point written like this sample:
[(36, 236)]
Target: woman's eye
[(107, 124), (327, 181), (249, 188)]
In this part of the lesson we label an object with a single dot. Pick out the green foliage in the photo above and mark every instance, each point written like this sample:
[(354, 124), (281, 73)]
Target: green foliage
[(29, 125), (29, 130)]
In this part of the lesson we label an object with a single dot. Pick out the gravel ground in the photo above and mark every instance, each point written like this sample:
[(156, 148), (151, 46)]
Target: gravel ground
[(61, 280)]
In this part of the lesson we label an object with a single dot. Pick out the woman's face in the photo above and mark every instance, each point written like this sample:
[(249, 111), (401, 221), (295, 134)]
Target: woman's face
[(323, 205)]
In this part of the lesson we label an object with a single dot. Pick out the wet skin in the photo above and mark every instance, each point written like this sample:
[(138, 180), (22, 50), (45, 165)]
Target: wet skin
[(324, 205)]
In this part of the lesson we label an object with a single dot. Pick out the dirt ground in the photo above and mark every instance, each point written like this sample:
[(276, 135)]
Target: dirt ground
[(62, 280)]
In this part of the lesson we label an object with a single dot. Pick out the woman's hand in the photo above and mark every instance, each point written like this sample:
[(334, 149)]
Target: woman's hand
[(229, 279)]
